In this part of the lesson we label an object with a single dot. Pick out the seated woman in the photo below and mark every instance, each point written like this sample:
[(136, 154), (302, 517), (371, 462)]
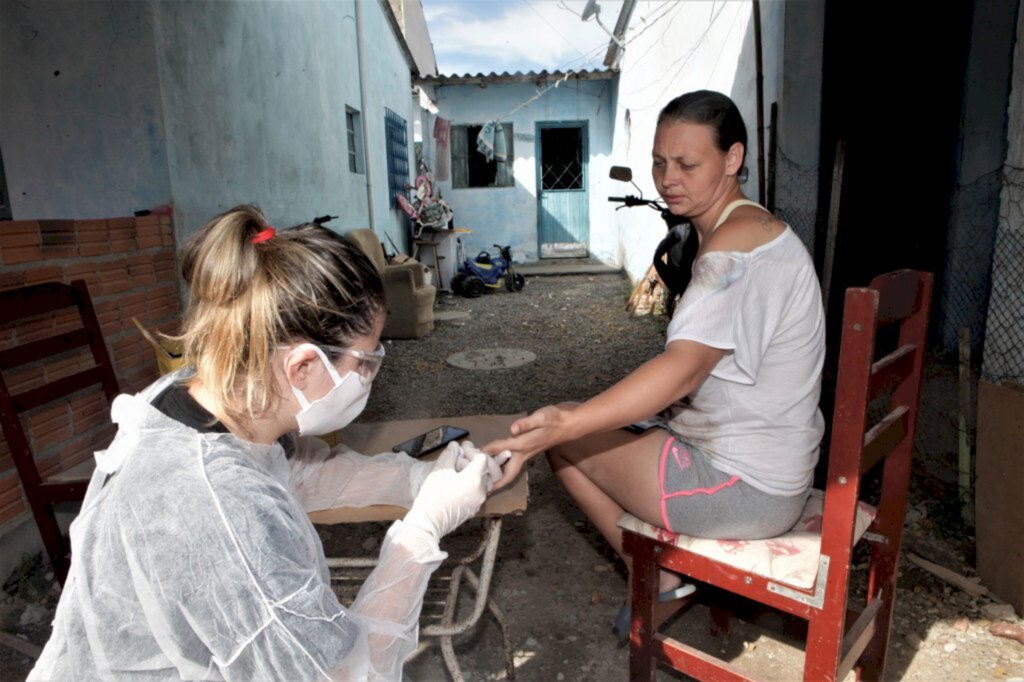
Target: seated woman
[(737, 385), (192, 556)]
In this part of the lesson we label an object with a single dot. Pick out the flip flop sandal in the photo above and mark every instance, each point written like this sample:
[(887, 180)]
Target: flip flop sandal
[(622, 620)]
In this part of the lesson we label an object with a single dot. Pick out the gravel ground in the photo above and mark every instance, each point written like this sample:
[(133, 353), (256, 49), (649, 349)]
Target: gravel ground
[(556, 579)]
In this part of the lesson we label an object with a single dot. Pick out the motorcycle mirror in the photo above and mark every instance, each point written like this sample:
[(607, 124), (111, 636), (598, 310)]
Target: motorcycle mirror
[(621, 173)]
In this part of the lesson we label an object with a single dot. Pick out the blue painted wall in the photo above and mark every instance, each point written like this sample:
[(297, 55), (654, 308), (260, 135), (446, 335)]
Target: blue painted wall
[(81, 124), (255, 96), (206, 104), (508, 215)]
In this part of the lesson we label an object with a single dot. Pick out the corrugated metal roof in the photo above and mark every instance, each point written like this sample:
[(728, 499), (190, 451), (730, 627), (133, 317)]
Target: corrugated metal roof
[(517, 77)]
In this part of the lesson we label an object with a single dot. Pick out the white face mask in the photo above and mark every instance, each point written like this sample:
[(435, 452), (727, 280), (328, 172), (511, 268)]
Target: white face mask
[(337, 408)]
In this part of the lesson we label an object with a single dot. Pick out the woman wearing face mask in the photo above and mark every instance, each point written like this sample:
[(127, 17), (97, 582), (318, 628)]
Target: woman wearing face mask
[(192, 556)]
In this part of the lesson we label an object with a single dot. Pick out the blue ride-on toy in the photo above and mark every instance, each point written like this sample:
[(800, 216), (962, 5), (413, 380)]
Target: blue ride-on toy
[(485, 272)]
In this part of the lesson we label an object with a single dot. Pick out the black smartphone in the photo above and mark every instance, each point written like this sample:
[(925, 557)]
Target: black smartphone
[(641, 426), (431, 440)]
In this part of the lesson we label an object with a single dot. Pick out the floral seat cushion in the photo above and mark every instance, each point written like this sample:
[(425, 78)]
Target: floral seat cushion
[(791, 558)]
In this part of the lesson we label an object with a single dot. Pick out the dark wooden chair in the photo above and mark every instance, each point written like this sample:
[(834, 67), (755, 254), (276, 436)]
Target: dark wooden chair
[(806, 573), (49, 384)]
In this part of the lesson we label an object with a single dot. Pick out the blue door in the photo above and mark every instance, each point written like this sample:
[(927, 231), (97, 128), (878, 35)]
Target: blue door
[(563, 225)]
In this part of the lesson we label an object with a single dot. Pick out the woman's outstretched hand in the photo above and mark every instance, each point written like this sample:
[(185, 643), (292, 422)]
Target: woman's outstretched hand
[(532, 435)]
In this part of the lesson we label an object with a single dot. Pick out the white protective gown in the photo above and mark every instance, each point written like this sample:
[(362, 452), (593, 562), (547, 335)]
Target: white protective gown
[(193, 557)]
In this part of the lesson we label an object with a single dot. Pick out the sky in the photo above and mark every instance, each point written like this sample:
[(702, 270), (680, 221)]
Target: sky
[(473, 36)]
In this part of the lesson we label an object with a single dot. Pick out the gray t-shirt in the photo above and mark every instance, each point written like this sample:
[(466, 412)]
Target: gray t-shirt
[(757, 414)]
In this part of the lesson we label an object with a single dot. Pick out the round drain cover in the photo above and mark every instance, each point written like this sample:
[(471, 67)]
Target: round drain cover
[(491, 358)]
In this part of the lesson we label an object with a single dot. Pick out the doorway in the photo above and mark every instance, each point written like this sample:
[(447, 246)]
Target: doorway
[(563, 227)]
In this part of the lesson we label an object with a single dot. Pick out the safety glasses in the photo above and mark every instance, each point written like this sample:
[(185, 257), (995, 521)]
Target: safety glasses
[(369, 361)]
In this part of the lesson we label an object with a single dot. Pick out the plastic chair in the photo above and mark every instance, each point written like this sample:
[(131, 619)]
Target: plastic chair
[(806, 572), (46, 361)]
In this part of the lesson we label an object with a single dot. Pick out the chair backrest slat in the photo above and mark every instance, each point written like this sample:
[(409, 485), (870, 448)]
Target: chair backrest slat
[(53, 390), (884, 437), (855, 358), (898, 295), (38, 350), (891, 370), (37, 299)]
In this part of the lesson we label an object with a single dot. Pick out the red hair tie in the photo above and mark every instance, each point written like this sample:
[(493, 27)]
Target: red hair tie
[(264, 235)]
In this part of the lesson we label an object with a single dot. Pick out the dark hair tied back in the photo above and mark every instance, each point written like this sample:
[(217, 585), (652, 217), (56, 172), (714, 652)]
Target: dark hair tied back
[(712, 109)]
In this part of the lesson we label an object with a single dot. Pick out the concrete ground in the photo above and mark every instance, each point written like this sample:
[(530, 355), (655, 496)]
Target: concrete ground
[(556, 579)]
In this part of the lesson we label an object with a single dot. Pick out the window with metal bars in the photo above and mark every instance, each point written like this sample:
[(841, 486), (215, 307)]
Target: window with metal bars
[(396, 138), (561, 158)]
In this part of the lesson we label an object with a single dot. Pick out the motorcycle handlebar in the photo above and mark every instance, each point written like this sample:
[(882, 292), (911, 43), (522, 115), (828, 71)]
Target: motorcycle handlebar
[(630, 200)]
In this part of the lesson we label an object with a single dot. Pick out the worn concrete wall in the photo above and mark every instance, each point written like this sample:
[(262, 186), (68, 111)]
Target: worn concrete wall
[(254, 98), (81, 127), (1004, 328), (388, 84), (674, 48), (111, 107), (799, 118), (983, 148), (414, 26), (508, 215)]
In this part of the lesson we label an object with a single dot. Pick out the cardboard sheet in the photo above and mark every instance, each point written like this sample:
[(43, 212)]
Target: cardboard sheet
[(373, 438)]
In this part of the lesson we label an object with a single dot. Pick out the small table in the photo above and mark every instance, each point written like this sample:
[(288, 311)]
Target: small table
[(441, 248), (378, 437)]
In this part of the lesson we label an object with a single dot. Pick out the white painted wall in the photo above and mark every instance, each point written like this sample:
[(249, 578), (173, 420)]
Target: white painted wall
[(508, 215), (81, 127), (677, 47)]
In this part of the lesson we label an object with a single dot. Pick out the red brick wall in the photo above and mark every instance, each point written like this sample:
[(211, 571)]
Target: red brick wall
[(130, 268)]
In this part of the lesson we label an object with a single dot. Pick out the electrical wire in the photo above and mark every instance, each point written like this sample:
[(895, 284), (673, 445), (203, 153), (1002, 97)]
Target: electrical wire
[(678, 10), (683, 61), (665, 9), (552, 27)]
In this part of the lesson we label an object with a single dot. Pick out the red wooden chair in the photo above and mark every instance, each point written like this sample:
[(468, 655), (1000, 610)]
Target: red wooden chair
[(50, 382), (806, 573)]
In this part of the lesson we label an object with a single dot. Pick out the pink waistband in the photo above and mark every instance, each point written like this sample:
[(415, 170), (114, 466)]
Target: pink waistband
[(669, 443)]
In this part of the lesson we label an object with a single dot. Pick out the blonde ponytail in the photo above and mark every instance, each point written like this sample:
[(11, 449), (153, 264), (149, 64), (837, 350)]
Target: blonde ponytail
[(252, 290)]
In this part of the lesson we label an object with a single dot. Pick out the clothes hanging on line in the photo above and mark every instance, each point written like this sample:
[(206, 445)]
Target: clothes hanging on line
[(442, 133), (500, 148), (442, 128), (485, 140)]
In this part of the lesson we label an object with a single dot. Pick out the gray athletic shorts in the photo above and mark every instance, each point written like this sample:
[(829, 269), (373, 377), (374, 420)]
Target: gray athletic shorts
[(699, 500)]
